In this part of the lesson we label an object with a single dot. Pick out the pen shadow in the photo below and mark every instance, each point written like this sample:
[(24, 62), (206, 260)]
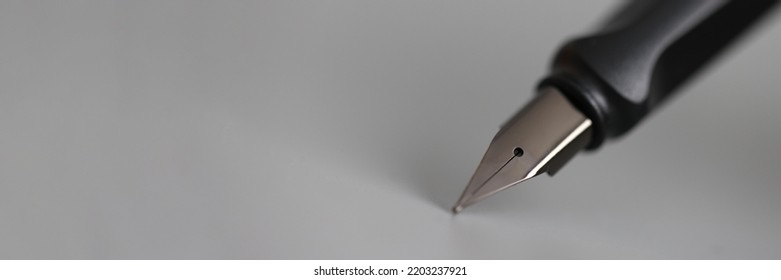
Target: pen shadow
[(435, 170), (437, 178)]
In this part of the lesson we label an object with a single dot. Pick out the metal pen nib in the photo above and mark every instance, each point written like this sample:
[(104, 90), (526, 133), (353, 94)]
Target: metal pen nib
[(540, 138)]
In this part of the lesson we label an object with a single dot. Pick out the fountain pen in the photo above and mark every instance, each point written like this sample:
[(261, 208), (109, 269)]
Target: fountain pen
[(602, 85)]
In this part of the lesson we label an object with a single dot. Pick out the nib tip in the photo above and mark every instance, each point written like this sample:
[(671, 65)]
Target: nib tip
[(457, 209)]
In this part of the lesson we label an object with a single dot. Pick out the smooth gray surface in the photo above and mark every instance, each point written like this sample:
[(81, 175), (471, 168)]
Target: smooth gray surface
[(346, 129)]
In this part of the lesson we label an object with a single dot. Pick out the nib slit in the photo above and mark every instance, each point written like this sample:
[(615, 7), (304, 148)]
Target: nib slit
[(492, 176)]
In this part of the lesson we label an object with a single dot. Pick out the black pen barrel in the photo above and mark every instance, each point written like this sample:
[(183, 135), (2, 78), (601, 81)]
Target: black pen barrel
[(621, 72)]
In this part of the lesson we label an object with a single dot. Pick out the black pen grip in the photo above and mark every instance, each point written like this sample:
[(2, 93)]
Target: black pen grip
[(620, 73)]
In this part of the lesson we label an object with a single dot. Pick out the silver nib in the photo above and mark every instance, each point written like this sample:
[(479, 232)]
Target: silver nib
[(540, 138)]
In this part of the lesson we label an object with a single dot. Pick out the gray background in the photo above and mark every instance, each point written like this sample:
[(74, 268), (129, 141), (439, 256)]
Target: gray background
[(346, 129)]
